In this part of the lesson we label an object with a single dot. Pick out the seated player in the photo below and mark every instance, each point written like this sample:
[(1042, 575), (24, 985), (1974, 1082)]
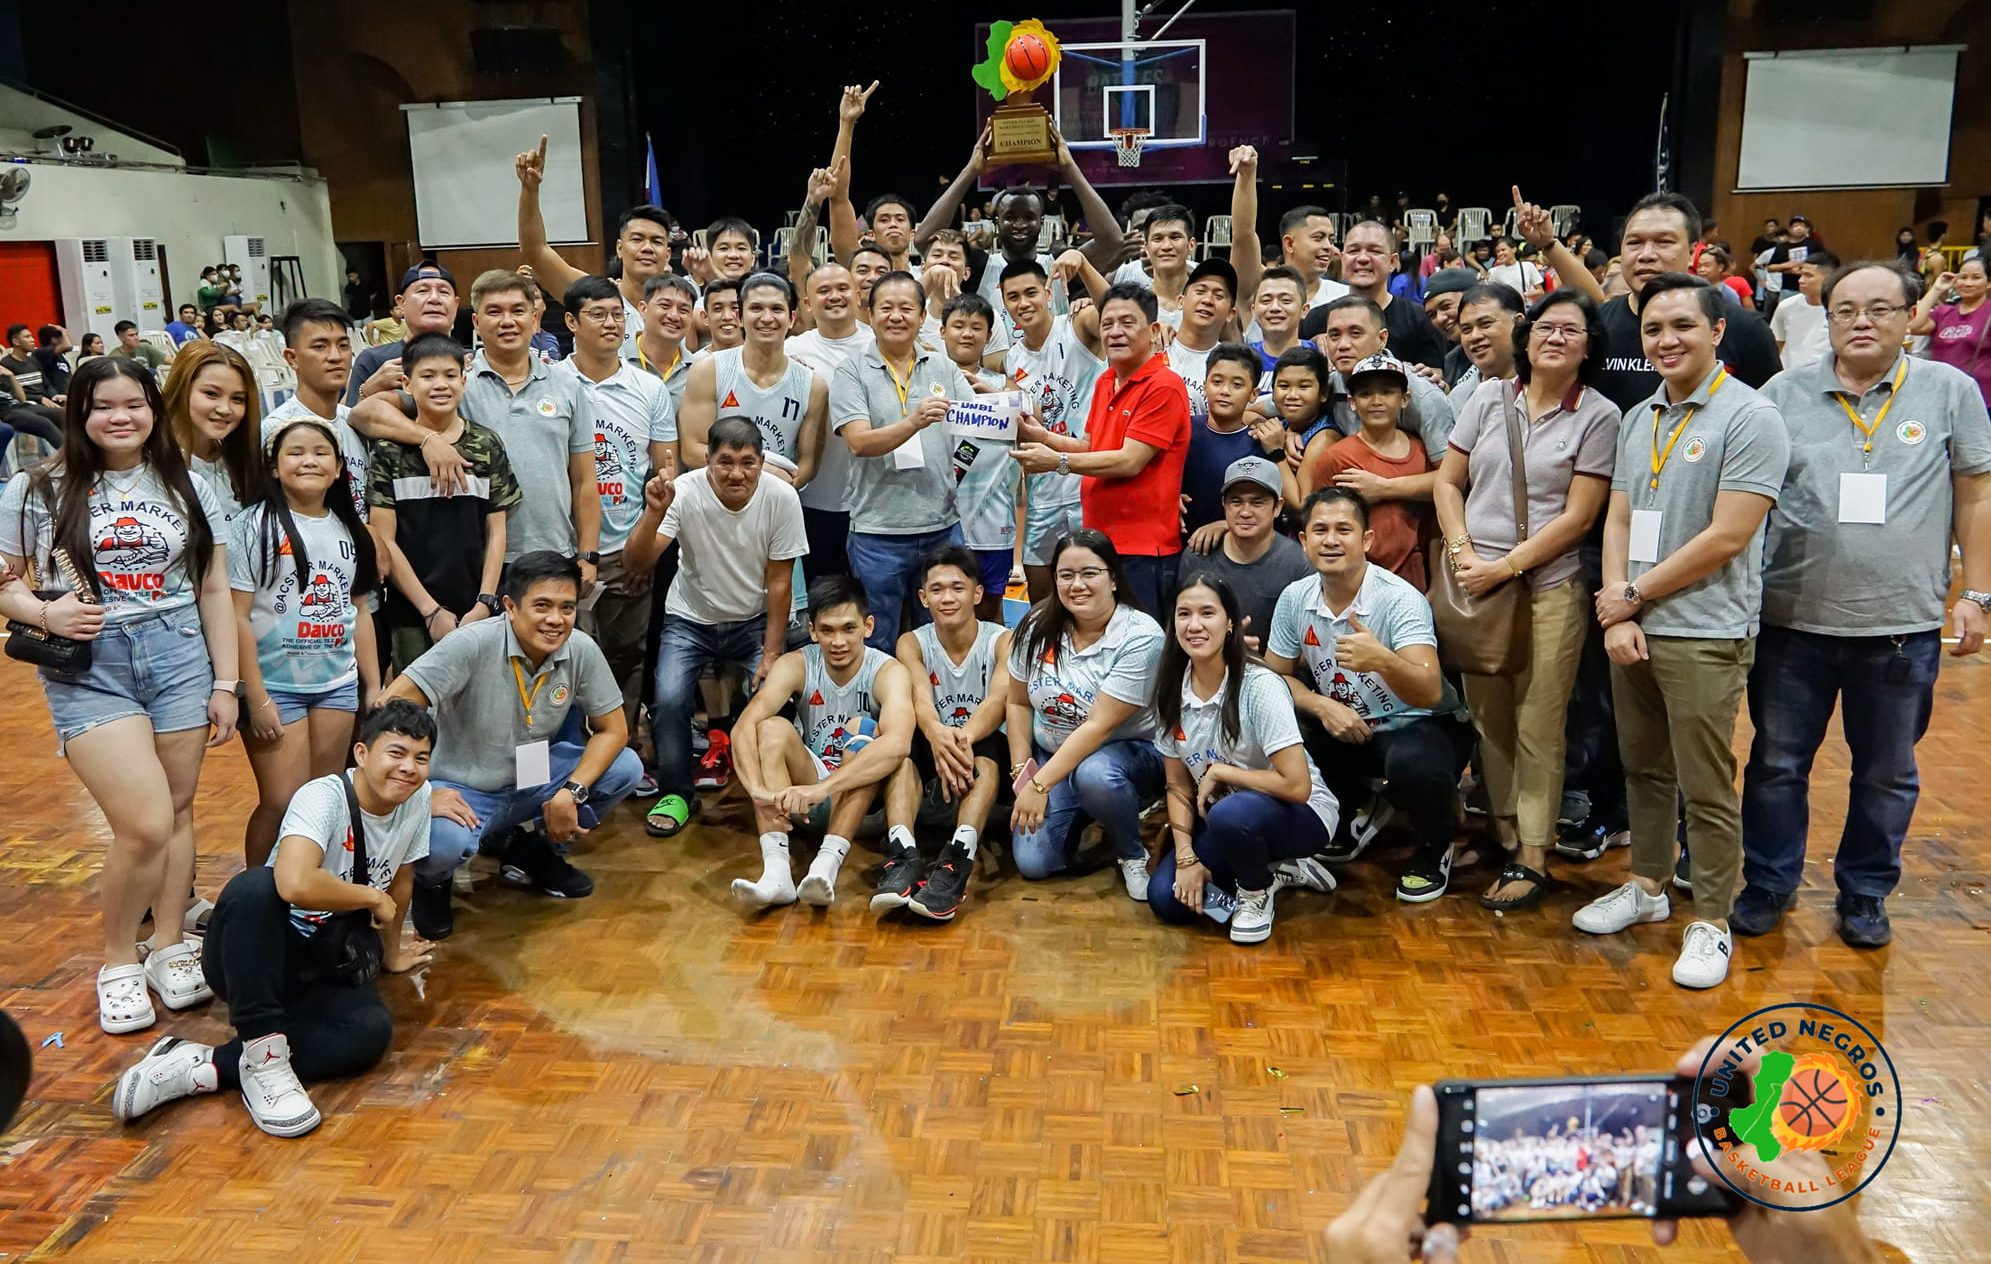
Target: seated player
[(1362, 660), (509, 696), (853, 726), (1250, 555), (267, 952), (738, 535), (960, 685)]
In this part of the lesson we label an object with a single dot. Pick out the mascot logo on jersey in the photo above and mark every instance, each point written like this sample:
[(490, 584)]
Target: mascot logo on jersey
[(131, 544), (320, 593)]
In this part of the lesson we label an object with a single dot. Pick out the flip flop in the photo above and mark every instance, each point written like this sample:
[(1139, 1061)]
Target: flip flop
[(1517, 872), (668, 816)]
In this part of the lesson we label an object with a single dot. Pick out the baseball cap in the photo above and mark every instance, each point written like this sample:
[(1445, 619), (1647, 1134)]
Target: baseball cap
[(1253, 469), (1799, 219), (1218, 268), (425, 272), (1450, 281), (1381, 362)]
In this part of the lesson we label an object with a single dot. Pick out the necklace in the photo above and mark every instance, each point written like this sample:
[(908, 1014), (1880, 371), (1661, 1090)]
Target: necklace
[(109, 480)]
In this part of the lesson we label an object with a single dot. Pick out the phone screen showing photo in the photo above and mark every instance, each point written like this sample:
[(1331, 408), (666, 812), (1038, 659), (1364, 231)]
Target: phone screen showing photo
[(1569, 1151)]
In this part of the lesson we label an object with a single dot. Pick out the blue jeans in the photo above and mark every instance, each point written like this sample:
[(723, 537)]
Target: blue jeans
[(1151, 585), (502, 811), (886, 565), (1797, 677), (1245, 831), (1110, 786), (684, 650)]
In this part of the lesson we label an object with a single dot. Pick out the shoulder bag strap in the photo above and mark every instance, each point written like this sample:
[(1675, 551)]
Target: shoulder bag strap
[(361, 873), (1517, 457)]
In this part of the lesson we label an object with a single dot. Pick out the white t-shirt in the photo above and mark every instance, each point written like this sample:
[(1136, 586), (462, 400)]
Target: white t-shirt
[(138, 536), (304, 641), (723, 555), (1063, 682), (352, 447), (630, 410), (1192, 367), (319, 812), (830, 488), (1266, 725), (1801, 326), (1518, 276)]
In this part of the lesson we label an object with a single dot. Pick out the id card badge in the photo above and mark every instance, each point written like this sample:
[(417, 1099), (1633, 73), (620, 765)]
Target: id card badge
[(533, 764), (1645, 536), (910, 455), (1863, 498)]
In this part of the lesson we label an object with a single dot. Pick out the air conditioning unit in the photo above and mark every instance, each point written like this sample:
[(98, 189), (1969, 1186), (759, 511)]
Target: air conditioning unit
[(135, 281), (89, 296), (253, 257)]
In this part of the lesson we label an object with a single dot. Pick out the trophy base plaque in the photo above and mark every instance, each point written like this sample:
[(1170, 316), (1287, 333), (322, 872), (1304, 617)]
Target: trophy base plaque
[(1020, 136)]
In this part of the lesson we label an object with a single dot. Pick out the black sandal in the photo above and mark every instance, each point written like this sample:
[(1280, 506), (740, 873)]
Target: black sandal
[(1517, 872)]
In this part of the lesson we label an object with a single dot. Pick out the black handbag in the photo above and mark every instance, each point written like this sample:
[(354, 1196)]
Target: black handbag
[(346, 951), (30, 643)]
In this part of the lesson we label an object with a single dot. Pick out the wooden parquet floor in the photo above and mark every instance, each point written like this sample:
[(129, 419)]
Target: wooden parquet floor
[(644, 1076)]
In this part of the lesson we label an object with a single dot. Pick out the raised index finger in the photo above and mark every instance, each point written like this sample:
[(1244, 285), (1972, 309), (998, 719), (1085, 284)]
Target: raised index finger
[(542, 148), (1520, 203), (873, 88)]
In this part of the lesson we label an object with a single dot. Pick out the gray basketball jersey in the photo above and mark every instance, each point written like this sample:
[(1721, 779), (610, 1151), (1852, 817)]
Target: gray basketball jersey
[(826, 712), (778, 410), (957, 691)]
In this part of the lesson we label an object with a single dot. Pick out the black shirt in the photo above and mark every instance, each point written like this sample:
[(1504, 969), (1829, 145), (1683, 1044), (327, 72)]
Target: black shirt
[(1413, 338), (28, 373), (365, 365), (1628, 380)]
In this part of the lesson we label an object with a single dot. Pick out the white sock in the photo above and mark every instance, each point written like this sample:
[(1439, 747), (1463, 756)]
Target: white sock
[(835, 848), (965, 835), (777, 879), (901, 837), (773, 853)]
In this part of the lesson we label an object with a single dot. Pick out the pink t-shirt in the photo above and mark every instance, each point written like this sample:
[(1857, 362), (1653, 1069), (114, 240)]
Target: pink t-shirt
[(1964, 342)]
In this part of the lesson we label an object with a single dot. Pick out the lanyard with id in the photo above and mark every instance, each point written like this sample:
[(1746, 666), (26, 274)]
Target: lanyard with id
[(1863, 496), (532, 761), (910, 455), (1645, 522)]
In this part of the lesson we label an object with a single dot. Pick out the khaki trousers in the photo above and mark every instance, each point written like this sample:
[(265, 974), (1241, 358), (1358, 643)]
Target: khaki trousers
[(1520, 718)]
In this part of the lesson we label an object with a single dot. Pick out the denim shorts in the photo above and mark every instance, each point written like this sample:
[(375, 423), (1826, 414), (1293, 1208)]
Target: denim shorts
[(291, 706), (153, 665)]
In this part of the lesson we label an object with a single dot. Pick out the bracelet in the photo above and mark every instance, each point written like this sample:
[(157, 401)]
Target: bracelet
[(1510, 566), (1457, 544), (225, 686), (46, 630), (1039, 786), (432, 614)]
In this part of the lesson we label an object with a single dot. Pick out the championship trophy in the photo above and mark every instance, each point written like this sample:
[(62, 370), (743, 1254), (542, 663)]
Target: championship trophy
[(1022, 58)]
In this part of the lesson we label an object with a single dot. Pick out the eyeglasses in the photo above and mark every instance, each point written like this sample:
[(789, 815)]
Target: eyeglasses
[(1089, 575), (1561, 333), (1878, 313), (602, 315)]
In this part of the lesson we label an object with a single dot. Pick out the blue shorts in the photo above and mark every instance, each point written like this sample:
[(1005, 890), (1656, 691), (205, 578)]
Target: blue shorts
[(153, 665), (292, 706), (995, 565), (1043, 527)]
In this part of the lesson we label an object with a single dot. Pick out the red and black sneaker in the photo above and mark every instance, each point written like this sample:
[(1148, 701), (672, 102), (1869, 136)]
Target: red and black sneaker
[(715, 770), (900, 881), (946, 886)]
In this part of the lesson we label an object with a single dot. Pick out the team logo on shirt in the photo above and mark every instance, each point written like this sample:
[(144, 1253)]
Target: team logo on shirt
[(1064, 709), (1696, 449), (960, 717), (320, 593), (131, 543), (731, 401), (1911, 432), (546, 408), (560, 694), (816, 698), (1312, 638)]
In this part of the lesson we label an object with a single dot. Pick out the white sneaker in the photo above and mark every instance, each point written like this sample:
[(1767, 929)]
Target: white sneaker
[(1305, 871), (123, 1004), (173, 1068), (819, 884), (1704, 953), (175, 974), (1371, 821), (270, 1089), (1252, 922), (1135, 874), (1626, 906)]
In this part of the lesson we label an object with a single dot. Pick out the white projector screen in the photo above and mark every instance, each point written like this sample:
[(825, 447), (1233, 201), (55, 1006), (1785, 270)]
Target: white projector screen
[(465, 191), (1847, 118)]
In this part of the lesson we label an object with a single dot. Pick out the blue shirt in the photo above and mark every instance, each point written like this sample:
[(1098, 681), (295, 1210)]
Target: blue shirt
[(1210, 454)]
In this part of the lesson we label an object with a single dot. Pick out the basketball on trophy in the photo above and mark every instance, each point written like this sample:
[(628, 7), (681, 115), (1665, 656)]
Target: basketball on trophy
[(1027, 57)]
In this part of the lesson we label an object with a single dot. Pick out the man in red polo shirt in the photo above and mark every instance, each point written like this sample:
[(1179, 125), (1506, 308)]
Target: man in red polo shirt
[(1130, 457)]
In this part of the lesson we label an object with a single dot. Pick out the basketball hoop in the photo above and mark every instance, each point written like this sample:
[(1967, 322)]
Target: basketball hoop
[(1127, 143)]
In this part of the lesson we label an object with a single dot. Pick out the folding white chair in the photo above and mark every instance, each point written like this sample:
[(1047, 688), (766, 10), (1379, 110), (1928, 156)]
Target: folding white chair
[(1511, 226), (160, 339), (784, 242), (820, 249), (1216, 234), (1421, 229), (1472, 225), (1564, 216)]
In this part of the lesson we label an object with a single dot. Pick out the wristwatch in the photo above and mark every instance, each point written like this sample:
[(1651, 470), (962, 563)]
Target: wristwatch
[(1064, 463), (579, 791), (1983, 599), (1632, 594), (490, 602), (591, 557)]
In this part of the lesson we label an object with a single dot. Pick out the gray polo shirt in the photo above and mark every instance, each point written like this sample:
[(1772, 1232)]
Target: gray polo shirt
[(886, 497), (1865, 578), (1735, 442), (480, 720), (542, 423), (1578, 436)]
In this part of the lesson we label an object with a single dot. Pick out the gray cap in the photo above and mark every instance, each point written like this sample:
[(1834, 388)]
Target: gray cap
[(1254, 469)]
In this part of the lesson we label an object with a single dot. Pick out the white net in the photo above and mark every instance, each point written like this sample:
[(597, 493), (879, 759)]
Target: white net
[(1127, 144)]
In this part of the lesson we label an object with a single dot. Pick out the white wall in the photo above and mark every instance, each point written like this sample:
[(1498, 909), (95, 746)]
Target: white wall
[(187, 214), (22, 114)]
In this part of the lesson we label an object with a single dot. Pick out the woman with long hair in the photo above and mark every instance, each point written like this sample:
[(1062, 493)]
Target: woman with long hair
[(1242, 790), (1958, 324), (301, 563), (213, 412), (1081, 734), (1569, 446), (159, 687)]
